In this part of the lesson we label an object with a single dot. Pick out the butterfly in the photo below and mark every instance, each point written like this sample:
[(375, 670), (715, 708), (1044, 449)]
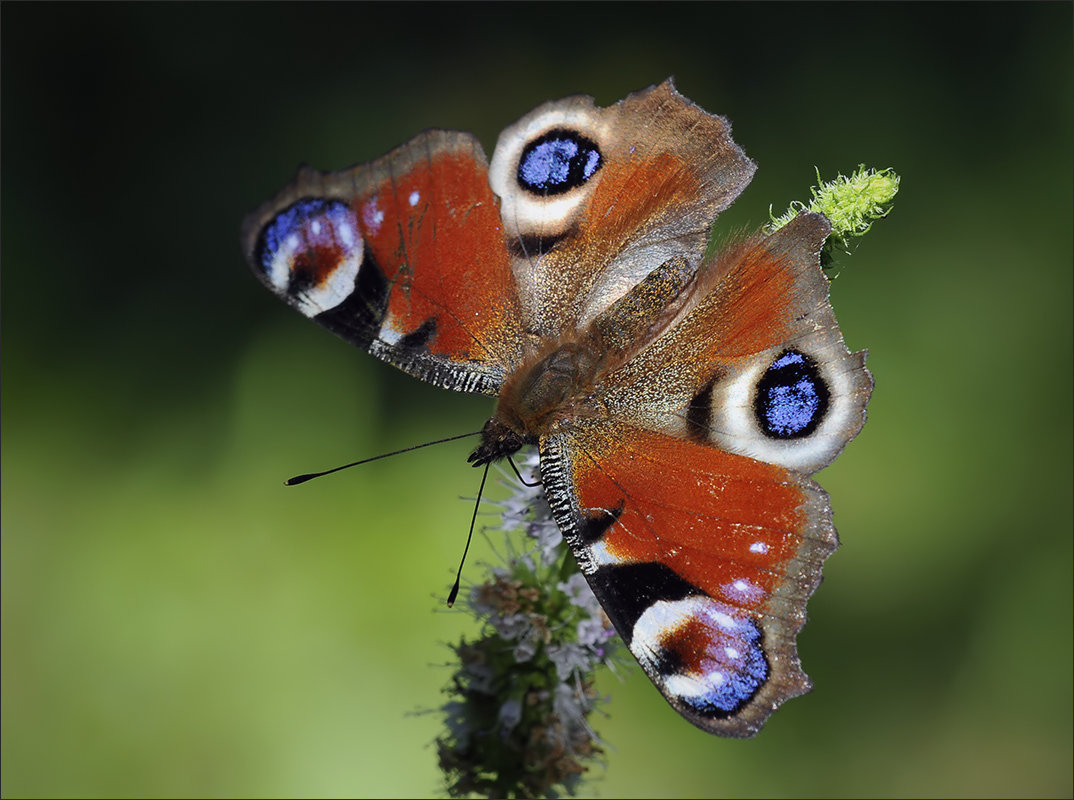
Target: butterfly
[(679, 398)]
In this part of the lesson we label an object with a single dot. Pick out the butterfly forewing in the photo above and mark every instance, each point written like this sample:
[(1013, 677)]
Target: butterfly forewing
[(403, 256), (702, 559), (594, 198)]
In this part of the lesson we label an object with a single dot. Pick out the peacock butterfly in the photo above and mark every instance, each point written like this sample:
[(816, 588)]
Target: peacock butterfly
[(679, 399)]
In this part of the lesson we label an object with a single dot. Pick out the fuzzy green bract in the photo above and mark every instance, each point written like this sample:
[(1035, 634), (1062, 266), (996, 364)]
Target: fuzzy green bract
[(852, 204)]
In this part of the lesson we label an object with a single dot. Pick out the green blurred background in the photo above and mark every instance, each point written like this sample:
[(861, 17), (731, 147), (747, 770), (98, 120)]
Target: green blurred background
[(176, 623)]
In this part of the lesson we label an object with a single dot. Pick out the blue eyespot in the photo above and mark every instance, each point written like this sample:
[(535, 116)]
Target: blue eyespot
[(557, 162), (792, 398), (739, 669), (307, 222)]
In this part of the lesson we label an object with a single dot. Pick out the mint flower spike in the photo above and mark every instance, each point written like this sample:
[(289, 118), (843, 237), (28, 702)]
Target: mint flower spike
[(518, 708), (852, 204)]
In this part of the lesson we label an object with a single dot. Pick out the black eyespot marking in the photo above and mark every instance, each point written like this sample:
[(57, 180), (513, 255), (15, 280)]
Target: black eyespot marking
[(557, 162), (594, 524), (669, 662), (419, 337), (358, 318), (792, 398), (699, 414), (534, 244), (629, 589)]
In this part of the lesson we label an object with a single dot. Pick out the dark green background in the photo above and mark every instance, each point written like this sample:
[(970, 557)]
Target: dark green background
[(176, 622)]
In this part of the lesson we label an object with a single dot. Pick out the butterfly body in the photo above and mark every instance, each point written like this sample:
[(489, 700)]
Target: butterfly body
[(679, 399)]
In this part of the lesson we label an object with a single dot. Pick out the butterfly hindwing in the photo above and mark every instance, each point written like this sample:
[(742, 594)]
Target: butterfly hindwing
[(403, 256)]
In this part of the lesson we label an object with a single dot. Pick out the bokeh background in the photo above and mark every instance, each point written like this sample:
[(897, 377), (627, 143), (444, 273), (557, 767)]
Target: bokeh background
[(177, 623)]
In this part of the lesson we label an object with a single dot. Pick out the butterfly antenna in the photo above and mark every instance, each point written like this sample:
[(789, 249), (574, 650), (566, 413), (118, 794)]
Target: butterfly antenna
[(454, 593), (519, 474), (311, 475)]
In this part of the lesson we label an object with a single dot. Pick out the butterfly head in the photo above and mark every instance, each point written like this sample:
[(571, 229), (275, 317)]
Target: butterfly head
[(498, 440)]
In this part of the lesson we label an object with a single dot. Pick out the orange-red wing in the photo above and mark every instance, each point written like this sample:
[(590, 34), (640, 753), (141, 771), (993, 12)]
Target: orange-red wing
[(713, 375), (755, 295), (702, 559), (666, 169), (404, 256), (764, 292)]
